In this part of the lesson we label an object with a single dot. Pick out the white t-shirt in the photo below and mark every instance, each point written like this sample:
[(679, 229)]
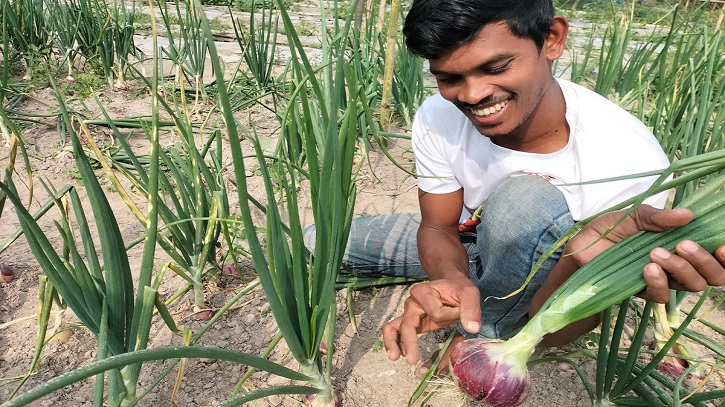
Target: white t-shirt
[(605, 141)]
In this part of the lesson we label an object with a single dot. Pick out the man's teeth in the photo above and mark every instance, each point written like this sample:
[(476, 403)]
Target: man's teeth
[(489, 110)]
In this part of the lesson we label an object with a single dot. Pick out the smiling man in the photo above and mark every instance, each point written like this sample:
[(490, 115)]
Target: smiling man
[(505, 135)]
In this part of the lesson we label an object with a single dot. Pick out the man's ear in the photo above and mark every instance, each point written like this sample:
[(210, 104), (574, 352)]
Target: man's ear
[(556, 40)]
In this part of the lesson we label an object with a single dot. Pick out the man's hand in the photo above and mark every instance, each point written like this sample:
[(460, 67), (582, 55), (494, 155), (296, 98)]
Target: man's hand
[(432, 305), (690, 268), (449, 296)]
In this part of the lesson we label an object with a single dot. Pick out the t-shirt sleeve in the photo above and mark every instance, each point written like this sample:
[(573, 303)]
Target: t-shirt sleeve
[(434, 172)]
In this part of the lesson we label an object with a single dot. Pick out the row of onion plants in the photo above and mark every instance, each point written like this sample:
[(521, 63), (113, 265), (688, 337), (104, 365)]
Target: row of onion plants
[(98, 287), (99, 32)]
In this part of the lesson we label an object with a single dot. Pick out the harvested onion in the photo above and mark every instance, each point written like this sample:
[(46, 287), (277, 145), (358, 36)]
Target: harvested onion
[(491, 371)]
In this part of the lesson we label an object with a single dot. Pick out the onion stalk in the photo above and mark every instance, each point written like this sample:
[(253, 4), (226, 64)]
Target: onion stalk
[(610, 278), (676, 363)]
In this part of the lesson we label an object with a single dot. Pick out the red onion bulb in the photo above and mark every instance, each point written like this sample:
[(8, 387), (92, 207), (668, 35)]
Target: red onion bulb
[(6, 274), (492, 371), (318, 400)]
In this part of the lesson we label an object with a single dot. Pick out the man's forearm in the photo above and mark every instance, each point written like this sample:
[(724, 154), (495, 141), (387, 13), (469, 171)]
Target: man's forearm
[(441, 253)]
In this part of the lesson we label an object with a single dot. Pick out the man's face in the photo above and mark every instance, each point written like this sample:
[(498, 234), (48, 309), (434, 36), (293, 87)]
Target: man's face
[(497, 80)]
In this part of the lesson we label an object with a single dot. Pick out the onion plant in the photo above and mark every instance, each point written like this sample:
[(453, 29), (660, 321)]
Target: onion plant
[(669, 80), (299, 285), (16, 145), (621, 68), (259, 45), (123, 43), (93, 35), (196, 201), (100, 294), (688, 95), (105, 36), (495, 371), (192, 185), (63, 23), (26, 25), (666, 320), (164, 353), (47, 297), (5, 75), (409, 88), (186, 48), (98, 287), (389, 70)]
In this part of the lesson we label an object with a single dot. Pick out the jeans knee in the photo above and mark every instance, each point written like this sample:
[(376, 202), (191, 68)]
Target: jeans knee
[(524, 200), (522, 205)]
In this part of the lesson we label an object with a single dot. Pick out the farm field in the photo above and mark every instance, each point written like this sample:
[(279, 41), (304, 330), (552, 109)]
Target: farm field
[(208, 276)]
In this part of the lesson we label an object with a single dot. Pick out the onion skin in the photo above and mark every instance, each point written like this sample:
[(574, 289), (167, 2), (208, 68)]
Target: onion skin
[(323, 348), (675, 366), (314, 400), (6, 274), (231, 269), (483, 373), (672, 366)]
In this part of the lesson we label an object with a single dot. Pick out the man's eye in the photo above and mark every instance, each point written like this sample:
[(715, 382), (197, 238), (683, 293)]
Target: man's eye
[(446, 79), (497, 69)]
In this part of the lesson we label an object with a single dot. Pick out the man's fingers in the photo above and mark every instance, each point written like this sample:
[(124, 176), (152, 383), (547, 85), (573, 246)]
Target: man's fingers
[(470, 309), (645, 217), (710, 268), (682, 272), (430, 300), (391, 338), (690, 268), (658, 289), (588, 243), (657, 220), (720, 256), (410, 327)]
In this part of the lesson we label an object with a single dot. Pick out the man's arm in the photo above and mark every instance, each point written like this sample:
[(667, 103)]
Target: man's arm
[(439, 245), (450, 296)]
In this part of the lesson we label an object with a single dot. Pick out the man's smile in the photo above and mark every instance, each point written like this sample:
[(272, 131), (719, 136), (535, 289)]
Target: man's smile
[(488, 111)]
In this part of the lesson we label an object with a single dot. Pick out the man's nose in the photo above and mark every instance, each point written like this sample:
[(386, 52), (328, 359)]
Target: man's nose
[(474, 91)]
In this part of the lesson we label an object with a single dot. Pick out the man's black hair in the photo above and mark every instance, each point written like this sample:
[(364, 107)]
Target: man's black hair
[(434, 27)]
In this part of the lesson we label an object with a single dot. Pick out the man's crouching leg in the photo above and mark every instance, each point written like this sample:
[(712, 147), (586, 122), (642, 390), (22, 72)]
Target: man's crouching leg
[(522, 219)]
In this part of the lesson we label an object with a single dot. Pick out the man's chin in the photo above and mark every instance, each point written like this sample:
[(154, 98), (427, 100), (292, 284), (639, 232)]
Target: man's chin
[(489, 131)]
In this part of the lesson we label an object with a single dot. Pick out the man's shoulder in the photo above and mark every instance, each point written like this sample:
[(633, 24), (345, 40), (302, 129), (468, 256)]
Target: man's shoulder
[(593, 114), (582, 94)]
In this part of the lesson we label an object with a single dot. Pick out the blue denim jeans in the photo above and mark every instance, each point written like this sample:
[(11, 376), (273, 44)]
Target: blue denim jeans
[(521, 219)]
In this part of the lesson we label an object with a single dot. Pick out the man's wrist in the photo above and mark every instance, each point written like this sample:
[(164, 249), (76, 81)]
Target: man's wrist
[(450, 274)]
